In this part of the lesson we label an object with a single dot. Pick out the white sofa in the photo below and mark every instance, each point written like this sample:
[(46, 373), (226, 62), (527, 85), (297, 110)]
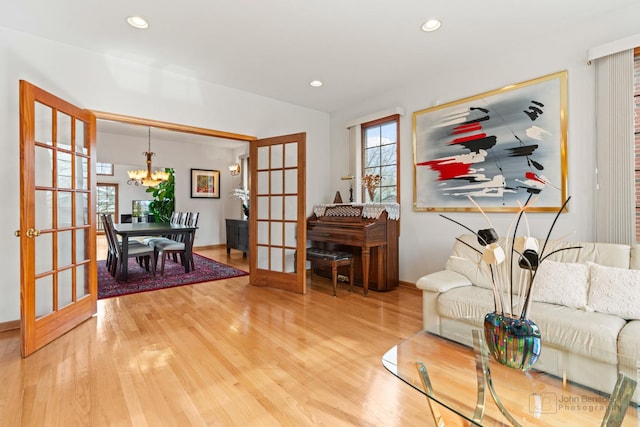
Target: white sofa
[(588, 314)]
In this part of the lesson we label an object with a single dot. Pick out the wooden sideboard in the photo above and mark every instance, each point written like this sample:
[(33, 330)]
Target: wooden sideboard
[(238, 235)]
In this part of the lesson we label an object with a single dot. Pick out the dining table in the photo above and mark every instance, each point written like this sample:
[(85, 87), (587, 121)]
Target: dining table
[(153, 229)]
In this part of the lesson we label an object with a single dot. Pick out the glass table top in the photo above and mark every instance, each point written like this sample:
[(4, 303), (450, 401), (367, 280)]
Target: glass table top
[(471, 384)]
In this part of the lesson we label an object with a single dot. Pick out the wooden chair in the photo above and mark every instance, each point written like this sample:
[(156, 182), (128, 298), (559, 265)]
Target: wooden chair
[(115, 257), (111, 250), (165, 247)]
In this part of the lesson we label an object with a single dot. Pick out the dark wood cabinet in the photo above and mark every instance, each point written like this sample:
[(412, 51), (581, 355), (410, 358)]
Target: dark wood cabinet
[(238, 235)]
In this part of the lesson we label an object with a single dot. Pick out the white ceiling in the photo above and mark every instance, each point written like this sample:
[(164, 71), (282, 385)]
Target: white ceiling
[(275, 47)]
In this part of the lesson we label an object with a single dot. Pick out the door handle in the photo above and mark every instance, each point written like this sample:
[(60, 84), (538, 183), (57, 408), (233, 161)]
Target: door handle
[(31, 233)]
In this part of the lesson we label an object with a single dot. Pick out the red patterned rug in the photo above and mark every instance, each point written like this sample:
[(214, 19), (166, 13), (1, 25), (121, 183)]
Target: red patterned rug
[(140, 280)]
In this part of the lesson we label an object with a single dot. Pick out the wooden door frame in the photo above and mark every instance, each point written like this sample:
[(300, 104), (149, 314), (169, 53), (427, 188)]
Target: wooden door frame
[(121, 118)]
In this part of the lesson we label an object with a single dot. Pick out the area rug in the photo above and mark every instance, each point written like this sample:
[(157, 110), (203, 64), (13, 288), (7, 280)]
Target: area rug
[(140, 280)]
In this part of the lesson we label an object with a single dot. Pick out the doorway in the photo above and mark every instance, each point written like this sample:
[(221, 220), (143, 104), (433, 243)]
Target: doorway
[(128, 133)]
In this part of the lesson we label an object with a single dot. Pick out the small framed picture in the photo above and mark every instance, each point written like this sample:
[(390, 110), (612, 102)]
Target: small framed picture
[(205, 184)]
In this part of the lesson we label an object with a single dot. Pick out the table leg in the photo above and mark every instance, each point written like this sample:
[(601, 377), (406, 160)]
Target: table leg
[(125, 258), (365, 269), (187, 252), (482, 370), (619, 401), (426, 383)]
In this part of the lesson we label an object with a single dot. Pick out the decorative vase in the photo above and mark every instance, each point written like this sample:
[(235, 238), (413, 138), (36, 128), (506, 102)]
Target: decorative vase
[(372, 194), (512, 342)]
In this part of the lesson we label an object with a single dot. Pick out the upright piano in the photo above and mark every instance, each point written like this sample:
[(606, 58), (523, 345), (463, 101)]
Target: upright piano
[(369, 232)]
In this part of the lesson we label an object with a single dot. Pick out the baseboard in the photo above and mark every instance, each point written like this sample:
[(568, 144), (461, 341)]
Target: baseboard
[(409, 285), (221, 245), (9, 326)]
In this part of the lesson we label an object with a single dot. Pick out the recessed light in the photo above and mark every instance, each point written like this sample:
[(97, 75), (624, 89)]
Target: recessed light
[(138, 22), (315, 83), (431, 25)]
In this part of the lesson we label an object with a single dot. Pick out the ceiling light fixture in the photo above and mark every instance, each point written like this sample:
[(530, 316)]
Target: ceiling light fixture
[(138, 22), (315, 83), (431, 25), (146, 177)]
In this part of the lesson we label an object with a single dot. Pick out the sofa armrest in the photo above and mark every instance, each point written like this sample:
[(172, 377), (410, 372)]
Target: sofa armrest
[(442, 281)]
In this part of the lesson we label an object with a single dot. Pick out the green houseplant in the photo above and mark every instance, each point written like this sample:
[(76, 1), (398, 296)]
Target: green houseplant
[(163, 203)]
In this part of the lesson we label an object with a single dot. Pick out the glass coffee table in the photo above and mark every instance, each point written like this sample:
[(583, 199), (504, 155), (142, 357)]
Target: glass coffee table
[(469, 383)]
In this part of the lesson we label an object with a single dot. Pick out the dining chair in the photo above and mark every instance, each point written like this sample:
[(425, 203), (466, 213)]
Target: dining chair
[(143, 253), (165, 247), (111, 251)]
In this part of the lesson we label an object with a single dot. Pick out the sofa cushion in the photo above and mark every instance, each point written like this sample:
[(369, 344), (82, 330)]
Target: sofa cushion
[(562, 283), (593, 335), (615, 291), (466, 261), (590, 334), (470, 303), (609, 254)]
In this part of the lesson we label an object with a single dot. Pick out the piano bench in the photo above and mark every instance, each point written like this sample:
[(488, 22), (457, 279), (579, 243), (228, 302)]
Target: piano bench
[(334, 259)]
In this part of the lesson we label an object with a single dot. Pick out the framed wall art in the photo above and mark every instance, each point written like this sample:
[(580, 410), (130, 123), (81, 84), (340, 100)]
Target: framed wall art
[(205, 184), (498, 147)]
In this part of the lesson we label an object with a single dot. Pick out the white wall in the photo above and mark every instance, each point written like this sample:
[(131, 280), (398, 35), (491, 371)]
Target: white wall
[(426, 238), (135, 88)]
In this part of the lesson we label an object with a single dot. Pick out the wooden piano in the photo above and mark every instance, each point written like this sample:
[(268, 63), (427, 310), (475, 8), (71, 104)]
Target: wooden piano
[(371, 236)]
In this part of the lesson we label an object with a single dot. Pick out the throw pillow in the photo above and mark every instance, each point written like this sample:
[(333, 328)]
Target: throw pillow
[(615, 291), (561, 283)]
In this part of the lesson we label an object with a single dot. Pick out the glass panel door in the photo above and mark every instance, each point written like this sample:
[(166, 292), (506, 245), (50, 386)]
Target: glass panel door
[(58, 278), (278, 221)]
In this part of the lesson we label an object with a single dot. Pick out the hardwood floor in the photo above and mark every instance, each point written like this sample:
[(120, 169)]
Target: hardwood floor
[(221, 354)]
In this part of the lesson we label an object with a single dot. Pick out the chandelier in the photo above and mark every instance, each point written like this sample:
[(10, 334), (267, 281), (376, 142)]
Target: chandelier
[(146, 177)]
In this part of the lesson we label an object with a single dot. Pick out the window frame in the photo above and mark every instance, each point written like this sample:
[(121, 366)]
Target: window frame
[(394, 118), (99, 165), (116, 207)]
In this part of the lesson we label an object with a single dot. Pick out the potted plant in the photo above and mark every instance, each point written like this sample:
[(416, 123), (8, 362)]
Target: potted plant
[(163, 203), (243, 195)]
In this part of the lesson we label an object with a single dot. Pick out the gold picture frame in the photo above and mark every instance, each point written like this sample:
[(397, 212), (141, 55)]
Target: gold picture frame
[(498, 147)]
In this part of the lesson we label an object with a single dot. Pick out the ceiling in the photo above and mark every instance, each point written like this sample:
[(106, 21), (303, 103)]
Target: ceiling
[(358, 49)]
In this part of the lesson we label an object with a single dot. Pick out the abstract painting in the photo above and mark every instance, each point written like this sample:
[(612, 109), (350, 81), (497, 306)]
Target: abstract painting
[(205, 184), (498, 147)]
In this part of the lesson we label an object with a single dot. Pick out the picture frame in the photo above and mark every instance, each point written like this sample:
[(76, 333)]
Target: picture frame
[(205, 184), (498, 147)]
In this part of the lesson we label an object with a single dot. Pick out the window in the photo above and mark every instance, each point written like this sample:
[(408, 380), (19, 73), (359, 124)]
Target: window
[(106, 202), (380, 156), (104, 168)]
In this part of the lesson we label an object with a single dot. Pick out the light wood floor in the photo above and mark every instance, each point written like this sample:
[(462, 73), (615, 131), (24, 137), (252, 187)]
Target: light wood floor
[(221, 354)]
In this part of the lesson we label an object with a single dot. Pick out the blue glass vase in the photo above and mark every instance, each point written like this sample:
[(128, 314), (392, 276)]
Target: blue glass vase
[(512, 342)]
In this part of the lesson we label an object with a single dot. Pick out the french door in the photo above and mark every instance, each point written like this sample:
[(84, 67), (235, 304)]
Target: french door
[(277, 218), (58, 279)]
